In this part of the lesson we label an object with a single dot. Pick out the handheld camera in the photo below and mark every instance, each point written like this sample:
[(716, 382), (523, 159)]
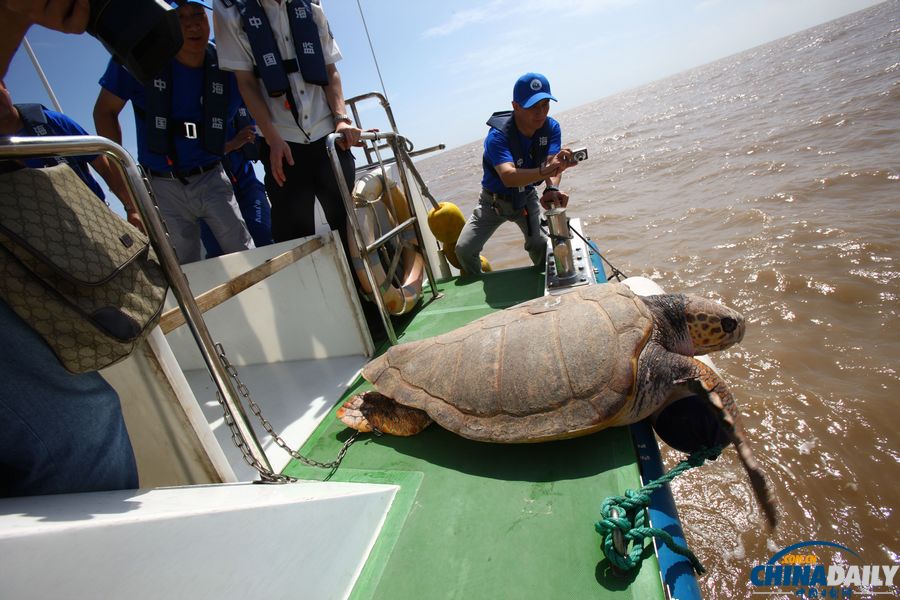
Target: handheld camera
[(142, 35)]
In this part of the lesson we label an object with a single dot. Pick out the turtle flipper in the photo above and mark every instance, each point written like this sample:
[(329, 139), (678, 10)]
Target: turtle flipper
[(707, 384), (373, 411)]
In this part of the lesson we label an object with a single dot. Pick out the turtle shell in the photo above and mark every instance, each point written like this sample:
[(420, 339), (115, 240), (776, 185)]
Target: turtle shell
[(550, 368)]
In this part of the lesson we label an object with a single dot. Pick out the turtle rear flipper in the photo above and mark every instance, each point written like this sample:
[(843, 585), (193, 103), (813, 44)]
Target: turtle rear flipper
[(709, 385)]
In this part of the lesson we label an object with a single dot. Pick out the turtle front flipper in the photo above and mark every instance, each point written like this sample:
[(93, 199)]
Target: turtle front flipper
[(371, 411), (714, 395)]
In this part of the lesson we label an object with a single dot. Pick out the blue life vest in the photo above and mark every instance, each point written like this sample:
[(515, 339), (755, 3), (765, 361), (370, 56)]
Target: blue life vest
[(270, 67), (540, 146), (211, 133), (37, 124)]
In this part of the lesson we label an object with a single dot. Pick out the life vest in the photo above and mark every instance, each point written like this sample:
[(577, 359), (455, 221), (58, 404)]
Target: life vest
[(270, 66), (36, 122), (161, 131), (504, 122), (398, 267)]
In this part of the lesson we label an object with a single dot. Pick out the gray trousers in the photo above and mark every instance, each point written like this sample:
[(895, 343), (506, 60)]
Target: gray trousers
[(491, 214), (208, 196)]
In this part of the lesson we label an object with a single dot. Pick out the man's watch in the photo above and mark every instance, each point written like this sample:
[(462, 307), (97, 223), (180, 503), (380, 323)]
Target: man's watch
[(342, 117), (551, 188)]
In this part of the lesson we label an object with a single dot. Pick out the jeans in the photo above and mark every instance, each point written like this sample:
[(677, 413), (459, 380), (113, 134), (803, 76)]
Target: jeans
[(491, 214), (59, 432)]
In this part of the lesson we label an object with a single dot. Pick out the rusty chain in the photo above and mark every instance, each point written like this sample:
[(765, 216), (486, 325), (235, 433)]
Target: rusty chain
[(267, 475)]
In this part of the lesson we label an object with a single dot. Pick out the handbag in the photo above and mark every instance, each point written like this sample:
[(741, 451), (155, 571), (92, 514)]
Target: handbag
[(86, 280)]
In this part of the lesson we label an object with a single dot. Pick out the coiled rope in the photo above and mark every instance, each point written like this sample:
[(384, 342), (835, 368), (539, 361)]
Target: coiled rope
[(633, 525)]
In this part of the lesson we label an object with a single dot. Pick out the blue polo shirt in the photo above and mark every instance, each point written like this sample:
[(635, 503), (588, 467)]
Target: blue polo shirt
[(187, 86), (60, 124), (497, 152)]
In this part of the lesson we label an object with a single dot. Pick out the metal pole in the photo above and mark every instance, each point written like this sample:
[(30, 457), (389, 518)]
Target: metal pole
[(357, 236), (40, 72), (405, 156), (371, 48), (24, 147), (400, 150)]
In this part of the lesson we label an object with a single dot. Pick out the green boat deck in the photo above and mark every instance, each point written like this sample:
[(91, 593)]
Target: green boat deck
[(474, 520)]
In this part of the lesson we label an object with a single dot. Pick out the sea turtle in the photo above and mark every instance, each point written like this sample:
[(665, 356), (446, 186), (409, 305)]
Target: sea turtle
[(563, 366)]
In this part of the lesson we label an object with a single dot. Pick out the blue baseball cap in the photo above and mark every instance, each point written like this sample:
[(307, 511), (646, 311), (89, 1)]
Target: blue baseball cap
[(178, 3), (530, 89)]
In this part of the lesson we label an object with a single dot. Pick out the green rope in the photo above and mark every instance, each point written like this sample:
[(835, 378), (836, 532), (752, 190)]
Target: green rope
[(632, 519)]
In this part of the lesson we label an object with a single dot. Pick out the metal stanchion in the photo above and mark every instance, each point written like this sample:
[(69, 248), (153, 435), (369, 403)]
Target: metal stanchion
[(396, 142)]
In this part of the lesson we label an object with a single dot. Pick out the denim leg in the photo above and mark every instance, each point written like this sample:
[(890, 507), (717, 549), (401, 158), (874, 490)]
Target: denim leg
[(254, 205), (212, 247), (475, 234), (256, 212), (61, 432)]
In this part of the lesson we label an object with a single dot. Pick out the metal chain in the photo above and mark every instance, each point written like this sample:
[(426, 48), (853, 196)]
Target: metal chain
[(267, 475)]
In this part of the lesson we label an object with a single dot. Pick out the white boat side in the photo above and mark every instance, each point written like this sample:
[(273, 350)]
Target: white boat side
[(298, 338), (301, 540), (203, 539)]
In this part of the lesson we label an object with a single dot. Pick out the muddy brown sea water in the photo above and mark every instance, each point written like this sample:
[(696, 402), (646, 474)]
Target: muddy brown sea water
[(769, 180)]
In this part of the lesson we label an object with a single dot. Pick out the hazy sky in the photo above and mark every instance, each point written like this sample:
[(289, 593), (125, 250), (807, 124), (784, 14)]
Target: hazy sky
[(448, 65)]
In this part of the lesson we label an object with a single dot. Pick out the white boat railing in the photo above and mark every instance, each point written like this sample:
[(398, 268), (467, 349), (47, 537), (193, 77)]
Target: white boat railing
[(397, 143), (371, 150)]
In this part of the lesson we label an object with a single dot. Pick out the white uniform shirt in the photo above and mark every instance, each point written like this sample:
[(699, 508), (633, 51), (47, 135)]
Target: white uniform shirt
[(235, 54)]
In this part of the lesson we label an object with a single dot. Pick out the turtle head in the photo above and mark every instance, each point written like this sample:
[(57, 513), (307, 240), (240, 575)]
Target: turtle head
[(691, 325), (712, 326)]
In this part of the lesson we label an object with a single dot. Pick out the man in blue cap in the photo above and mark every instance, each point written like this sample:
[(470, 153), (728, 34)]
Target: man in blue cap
[(181, 121), (522, 148)]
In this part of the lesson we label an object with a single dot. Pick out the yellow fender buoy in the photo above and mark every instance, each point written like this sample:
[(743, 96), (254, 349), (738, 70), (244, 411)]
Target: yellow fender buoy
[(446, 223)]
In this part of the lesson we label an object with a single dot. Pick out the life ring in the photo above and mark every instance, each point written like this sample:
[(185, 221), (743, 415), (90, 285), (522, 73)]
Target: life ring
[(400, 291)]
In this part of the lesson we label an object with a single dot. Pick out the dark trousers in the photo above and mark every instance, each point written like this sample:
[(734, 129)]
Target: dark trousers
[(310, 177)]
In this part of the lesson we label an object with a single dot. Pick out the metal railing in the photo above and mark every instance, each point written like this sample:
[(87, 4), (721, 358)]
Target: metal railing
[(397, 143), (403, 151), (372, 150), (142, 194)]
